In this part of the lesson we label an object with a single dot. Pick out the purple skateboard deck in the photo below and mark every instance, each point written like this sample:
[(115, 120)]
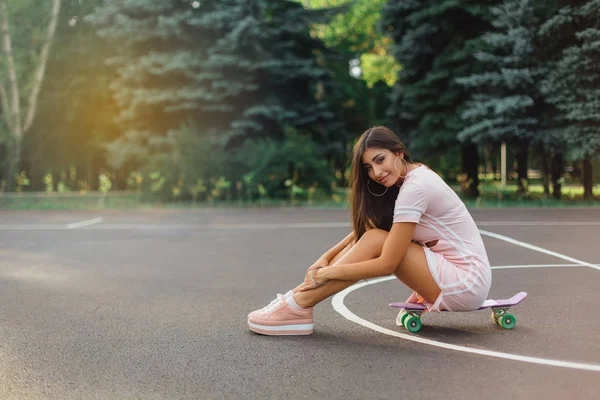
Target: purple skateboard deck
[(513, 301)]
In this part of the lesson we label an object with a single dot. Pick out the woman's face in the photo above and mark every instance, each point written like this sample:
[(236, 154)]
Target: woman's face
[(379, 164)]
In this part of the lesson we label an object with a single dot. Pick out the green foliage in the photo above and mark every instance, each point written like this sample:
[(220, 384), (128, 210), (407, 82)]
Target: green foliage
[(28, 25), (105, 183), (355, 32), (157, 56), (507, 104), (435, 43), (264, 70), (76, 84), (284, 168), (376, 68), (185, 166), (237, 69), (573, 81)]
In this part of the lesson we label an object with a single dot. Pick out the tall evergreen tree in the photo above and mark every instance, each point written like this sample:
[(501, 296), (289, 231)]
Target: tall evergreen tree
[(359, 102), (159, 83), (434, 44), (239, 69), (507, 104), (264, 69), (573, 84)]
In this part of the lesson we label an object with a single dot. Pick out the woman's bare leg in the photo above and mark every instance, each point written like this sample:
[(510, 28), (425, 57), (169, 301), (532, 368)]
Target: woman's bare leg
[(368, 247), (333, 261), (413, 271)]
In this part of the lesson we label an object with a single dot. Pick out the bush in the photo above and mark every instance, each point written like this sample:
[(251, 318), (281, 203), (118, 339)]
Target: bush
[(290, 168)]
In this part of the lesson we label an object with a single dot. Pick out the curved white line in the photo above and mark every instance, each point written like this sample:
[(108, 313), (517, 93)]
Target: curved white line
[(340, 307)]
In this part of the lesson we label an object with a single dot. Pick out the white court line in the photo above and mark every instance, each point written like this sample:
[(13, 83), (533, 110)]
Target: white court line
[(340, 307), (536, 248), (538, 266), (536, 223), (87, 222), (263, 226), (178, 226), (31, 227)]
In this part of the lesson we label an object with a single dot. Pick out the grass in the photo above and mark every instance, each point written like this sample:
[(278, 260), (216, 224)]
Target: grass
[(492, 195)]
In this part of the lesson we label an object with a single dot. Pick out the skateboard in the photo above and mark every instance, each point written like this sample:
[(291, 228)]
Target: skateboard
[(410, 316)]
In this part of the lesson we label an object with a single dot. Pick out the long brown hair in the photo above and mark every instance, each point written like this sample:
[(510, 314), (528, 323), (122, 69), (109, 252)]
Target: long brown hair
[(370, 211)]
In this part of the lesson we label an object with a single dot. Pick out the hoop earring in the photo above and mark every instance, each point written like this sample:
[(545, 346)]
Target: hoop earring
[(376, 195), (406, 162)]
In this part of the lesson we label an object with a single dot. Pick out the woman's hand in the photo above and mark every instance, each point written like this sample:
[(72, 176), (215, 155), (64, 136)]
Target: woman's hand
[(321, 262), (313, 279)]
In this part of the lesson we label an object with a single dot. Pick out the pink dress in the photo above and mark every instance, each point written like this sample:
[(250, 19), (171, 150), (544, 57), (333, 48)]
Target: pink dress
[(458, 262)]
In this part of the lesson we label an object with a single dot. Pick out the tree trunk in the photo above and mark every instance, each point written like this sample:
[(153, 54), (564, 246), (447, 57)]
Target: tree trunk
[(588, 179), (545, 172), (469, 167), (41, 68), (14, 158), (12, 107), (522, 158), (558, 169)]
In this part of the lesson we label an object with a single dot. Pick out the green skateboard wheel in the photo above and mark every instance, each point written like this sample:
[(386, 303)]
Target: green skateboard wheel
[(507, 321), (413, 323), (404, 317)]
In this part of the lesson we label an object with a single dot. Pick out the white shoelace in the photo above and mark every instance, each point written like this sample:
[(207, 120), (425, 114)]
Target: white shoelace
[(274, 304)]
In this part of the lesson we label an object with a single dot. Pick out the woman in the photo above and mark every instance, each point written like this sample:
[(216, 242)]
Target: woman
[(408, 222)]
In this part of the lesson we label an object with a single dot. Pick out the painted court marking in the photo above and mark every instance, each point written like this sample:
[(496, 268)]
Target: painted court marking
[(538, 249), (338, 299), (537, 223), (340, 307), (87, 222), (94, 224)]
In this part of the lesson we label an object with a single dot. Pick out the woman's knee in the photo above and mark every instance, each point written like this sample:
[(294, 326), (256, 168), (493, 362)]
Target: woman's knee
[(375, 235), (374, 239)]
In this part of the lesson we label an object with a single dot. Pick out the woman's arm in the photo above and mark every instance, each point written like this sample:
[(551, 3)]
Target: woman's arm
[(394, 249), (338, 247)]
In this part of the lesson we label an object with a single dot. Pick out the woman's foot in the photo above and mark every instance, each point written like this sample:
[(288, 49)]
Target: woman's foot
[(282, 317)]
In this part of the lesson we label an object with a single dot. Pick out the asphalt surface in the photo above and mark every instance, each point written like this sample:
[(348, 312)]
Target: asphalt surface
[(153, 305)]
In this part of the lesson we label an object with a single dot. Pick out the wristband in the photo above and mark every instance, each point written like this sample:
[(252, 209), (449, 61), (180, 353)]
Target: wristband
[(312, 278)]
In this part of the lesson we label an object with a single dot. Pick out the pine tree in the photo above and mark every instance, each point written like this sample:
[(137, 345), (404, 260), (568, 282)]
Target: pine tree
[(435, 44), (507, 105), (158, 56), (573, 82), (237, 69), (264, 70)]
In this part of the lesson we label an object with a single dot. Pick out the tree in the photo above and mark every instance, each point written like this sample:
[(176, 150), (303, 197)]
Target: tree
[(265, 74), (434, 43), (71, 142), (355, 32), (363, 69), (232, 70), (573, 82), (157, 55), (19, 117), (507, 105)]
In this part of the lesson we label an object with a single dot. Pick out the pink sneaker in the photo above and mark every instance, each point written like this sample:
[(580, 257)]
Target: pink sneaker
[(279, 318)]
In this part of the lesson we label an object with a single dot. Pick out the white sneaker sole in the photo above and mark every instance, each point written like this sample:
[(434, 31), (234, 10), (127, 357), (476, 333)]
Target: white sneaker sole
[(282, 330)]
